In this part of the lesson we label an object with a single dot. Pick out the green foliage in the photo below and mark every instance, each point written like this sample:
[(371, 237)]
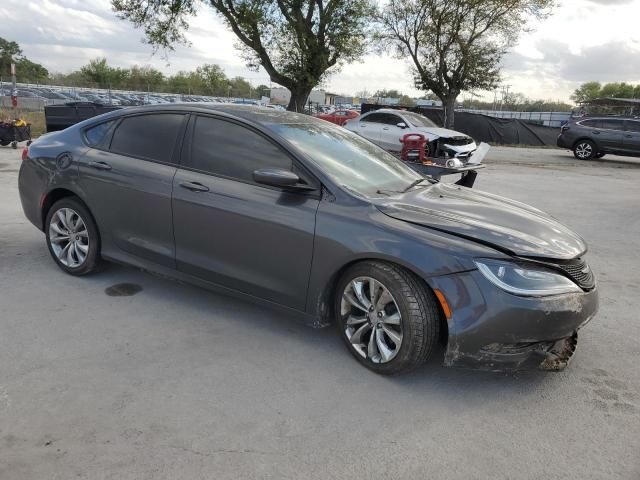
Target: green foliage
[(208, 79), (587, 91), (26, 70), (297, 42), (384, 93), (592, 90), (455, 45)]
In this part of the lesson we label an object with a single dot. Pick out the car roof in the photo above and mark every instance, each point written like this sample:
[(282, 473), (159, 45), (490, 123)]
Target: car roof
[(387, 110), (257, 114)]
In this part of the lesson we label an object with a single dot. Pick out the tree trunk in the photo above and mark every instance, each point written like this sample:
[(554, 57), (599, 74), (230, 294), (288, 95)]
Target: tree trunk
[(449, 105), (299, 97)]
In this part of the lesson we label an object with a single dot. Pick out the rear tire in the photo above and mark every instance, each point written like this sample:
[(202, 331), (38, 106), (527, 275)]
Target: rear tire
[(72, 237), (395, 332), (585, 150)]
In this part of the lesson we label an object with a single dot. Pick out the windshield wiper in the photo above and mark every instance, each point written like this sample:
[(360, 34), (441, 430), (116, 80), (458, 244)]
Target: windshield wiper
[(413, 184)]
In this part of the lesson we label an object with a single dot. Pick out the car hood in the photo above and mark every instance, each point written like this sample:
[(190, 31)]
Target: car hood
[(443, 132), (504, 224)]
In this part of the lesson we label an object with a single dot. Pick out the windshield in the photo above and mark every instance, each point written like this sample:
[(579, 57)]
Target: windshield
[(418, 120), (350, 160)]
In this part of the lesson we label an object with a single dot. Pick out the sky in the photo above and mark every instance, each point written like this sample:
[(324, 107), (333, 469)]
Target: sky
[(583, 40)]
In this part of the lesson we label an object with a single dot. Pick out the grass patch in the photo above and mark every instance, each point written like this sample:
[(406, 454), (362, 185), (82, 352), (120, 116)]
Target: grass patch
[(36, 119)]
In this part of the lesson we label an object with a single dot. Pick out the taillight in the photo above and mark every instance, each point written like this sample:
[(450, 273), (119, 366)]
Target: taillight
[(25, 153)]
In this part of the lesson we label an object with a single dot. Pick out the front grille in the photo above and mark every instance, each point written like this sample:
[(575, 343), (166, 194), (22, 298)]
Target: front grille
[(456, 141), (579, 271)]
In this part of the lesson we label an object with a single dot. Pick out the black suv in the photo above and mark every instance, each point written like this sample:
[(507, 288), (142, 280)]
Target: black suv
[(592, 137)]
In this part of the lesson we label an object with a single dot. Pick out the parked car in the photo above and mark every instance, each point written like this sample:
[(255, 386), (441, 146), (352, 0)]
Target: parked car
[(386, 127), (339, 117), (593, 137), (298, 213)]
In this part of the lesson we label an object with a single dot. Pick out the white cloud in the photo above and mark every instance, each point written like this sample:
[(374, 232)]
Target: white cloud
[(582, 40)]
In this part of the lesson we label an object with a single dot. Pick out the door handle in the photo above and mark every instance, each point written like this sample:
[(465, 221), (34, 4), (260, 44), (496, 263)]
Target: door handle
[(628, 135), (596, 132), (100, 165), (194, 186), (385, 128)]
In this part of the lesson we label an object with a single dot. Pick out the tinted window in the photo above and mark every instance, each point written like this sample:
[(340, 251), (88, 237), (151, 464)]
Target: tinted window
[(612, 124), (95, 135), (633, 126), (590, 123), (148, 136), (231, 150), (374, 118), (391, 119)]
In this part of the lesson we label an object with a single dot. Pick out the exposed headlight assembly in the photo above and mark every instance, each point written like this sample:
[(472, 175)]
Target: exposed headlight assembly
[(529, 280)]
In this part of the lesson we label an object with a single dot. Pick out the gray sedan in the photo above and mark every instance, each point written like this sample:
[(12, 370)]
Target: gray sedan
[(303, 215)]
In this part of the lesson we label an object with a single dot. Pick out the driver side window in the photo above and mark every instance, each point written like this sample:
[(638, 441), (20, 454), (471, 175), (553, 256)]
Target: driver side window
[(391, 119), (226, 149)]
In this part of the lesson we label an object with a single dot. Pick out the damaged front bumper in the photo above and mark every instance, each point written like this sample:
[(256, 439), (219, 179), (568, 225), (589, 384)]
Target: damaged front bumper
[(494, 330)]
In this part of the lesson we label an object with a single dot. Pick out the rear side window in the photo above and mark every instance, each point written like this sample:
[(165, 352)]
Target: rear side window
[(611, 124), (96, 135), (374, 118), (590, 123), (633, 126), (151, 136), (230, 150)]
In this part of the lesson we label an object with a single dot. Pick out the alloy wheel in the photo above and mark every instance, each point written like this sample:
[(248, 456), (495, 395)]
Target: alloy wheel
[(584, 150), (371, 319), (69, 237)]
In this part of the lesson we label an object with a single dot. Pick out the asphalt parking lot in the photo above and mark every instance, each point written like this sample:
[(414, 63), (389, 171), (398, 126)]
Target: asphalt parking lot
[(176, 382)]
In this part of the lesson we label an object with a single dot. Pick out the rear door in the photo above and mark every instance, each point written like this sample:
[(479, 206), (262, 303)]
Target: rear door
[(391, 133), (370, 127), (128, 179), (232, 231), (631, 140), (611, 134)]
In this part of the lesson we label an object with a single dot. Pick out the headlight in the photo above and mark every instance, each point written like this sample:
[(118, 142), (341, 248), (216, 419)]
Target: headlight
[(527, 280)]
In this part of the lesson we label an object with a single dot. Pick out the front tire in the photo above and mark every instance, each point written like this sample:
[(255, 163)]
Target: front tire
[(72, 237), (387, 318), (585, 150)]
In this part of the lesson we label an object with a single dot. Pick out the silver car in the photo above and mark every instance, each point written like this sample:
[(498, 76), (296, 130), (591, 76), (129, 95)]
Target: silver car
[(386, 127)]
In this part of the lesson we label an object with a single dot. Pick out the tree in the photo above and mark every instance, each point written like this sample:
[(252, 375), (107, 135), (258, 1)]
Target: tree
[(99, 73), (144, 78), (636, 91), (214, 79), (455, 45), (617, 90), (587, 92), (407, 101), (262, 91), (384, 93), (26, 70), (297, 42), (240, 87)]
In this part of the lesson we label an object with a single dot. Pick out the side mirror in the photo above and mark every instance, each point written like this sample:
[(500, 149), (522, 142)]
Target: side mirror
[(401, 125), (279, 177)]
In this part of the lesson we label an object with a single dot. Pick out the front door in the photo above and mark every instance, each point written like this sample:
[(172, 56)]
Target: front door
[(128, 179), (236, 233), (370, 127), (631, 140)]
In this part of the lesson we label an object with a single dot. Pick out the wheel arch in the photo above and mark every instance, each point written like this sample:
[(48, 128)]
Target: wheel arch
[(55, 195), (582, 139), (324, 304)]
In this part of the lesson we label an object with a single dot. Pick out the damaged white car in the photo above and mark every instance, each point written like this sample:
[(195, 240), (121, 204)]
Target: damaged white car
[(386, 127)]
